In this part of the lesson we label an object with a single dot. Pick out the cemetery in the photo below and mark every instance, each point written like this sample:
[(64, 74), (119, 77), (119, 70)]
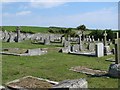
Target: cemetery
[(58, 60)]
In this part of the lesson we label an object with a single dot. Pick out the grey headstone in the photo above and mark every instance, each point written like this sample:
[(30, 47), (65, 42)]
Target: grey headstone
[(6, 37), (114, 70), (91, 46), (18, 38), (107, 50), (75, 48), (11, 37), (33, 52), (46, 41)]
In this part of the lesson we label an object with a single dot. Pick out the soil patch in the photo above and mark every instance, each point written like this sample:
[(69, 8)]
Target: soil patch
[(83, 69)]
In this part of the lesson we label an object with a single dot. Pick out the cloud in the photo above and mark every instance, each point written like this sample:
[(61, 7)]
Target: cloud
[(47, 3), (105, 19), (23, 13)]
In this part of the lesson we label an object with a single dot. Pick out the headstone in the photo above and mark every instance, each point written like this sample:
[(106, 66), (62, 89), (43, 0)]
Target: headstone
[(6, 37), (18, 34), (93, 39), (80, 42), (117, 49), (102, 40), (107, 50), (33, 52), (62, 39), (91, 46), (51, 38), (47, 41), (98, 39), (11, 37), (75, 48), (99, 49), (68, 38), (114, 69), (66, 43), (105, 39)]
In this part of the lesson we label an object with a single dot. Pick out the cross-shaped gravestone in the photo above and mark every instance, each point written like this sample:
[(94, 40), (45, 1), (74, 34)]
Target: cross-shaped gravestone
[(117, 50), (105, 37)]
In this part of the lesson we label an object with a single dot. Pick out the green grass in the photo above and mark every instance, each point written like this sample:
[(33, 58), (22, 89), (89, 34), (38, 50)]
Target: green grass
[(32, 29), (54, 66)]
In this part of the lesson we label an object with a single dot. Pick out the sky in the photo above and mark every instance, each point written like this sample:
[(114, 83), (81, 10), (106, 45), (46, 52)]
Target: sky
[(95, 15)]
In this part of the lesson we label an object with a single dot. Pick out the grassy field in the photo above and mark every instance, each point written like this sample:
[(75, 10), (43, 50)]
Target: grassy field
[(54, 66), (32, 29)]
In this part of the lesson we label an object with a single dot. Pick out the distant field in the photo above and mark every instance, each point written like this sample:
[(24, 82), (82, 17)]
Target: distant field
[(31, 29), (54, 66)]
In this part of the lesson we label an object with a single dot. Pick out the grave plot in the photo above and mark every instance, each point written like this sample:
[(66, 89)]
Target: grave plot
[(23, 52), (30, 82), (89, 71)]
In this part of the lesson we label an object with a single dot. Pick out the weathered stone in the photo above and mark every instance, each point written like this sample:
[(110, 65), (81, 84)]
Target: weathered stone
[(114, 70), (72, 84), (6, 36), (91, 46), (66, 43), (75, 48), (105, 39), (107, 50), (46, 41), (66, 49), (18, 38), (11, 37)]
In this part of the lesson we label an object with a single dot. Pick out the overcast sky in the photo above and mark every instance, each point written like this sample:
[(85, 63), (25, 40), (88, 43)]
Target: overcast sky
[(97, 15)]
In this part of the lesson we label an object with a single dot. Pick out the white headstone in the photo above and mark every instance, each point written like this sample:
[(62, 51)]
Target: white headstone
[(99, 49)]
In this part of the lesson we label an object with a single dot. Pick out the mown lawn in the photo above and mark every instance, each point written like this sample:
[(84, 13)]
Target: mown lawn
[(54, 66)]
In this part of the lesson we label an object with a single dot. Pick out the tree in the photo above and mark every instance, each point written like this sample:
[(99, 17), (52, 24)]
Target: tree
[(81, 28)]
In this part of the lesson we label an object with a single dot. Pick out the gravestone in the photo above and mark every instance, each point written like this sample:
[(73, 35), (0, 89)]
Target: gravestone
[(117, 49), (93, 39), (33, 52), (102, 40), (98, 39), (11, 37), (91, 46), (51, 38), (66, 43), (62, 40), (99, 49), (75, 48), (46, 41), (114, 69), (68, 38), (18, 34), (107, 50), (105, 39), (6, 37), (80, 42)]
